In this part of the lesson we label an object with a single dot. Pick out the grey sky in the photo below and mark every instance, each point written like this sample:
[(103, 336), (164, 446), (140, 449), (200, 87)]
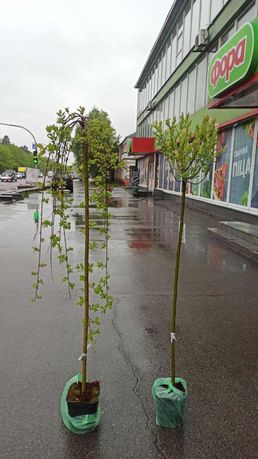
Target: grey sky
[(63, 53)]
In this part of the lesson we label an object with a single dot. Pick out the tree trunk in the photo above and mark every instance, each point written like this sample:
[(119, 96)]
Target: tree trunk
[(86, 266), (175, 285)]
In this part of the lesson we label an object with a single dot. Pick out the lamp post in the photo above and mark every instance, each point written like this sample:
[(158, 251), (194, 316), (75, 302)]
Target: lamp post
[(34, 145)]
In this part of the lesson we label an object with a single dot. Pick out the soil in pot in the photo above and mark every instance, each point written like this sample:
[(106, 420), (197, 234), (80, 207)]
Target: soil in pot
[(81, 404)]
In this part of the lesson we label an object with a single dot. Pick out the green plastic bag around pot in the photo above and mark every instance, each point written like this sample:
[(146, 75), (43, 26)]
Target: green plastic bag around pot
[(78, 424), (170, 402)]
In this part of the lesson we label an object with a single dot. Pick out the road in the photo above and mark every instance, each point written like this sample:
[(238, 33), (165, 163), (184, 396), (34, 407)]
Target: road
[(216, 349)]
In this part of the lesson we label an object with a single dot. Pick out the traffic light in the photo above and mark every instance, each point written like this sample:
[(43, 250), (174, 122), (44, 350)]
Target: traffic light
[(35, 157)]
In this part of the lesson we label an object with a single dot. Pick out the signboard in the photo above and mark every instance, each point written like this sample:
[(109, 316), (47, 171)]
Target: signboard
[(235, 61)]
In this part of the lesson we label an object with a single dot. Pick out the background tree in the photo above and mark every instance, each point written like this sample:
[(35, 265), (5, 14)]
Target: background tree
[(6, 140), (190, 153), (102, 139), (24, 148), (12, 157)]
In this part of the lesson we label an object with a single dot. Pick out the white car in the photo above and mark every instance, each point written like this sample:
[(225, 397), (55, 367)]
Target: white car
[(19, 175), (7, 177)]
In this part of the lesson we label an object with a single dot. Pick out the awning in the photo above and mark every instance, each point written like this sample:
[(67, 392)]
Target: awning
[(142, 146), (243, 96)]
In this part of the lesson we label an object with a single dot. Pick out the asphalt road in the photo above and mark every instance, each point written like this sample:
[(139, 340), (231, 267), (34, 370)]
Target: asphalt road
[(216, 349)]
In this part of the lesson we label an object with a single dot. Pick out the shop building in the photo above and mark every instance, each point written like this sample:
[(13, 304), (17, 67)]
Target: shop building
[(205, 60), (124, 174)]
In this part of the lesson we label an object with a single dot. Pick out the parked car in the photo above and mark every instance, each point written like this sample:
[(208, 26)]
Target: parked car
[(40, 175), (67, 180), (19, 175), (8, 177)]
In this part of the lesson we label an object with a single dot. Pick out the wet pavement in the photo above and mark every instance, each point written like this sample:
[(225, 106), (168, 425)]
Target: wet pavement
[(216, 349)]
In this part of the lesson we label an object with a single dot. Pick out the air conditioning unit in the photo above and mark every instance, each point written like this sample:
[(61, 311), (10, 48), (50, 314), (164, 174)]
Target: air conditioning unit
[(149, 106), (201, 40)]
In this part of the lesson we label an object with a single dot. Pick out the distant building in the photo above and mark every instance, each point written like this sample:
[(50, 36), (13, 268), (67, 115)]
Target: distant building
[(205, 60), (124, 174)]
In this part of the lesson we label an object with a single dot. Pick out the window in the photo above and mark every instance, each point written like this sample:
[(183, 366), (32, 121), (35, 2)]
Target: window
[(168, 62), (158, 76), (177, 101), (205, 186), (222, 166), (248, 15), (166, 107), (183, 95), (191, 91), (216, 6), (173, 54), (254, 201), (241, 163), (187, 30), (161, 171), (227, 35), (205, 14), (195, 20), (179, 47), (155, 80), (171, 105), (200, 84)]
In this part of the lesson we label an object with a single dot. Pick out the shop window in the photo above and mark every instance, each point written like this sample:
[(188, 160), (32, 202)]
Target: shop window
[(177, 185), (194, 186), (205, 187), (161, 171), (166, 174), (241, 163), (222, 166), (254, 200), (171, 184)]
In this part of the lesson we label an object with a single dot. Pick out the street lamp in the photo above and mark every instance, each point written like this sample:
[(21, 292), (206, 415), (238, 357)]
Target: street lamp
[(34, 145)]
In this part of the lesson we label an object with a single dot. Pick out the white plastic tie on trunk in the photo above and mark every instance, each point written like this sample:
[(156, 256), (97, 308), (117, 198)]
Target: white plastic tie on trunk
[(83, 356), (172, 338), (184, 233)]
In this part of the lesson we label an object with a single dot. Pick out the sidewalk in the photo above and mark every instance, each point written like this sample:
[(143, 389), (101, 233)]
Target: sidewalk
[(216, 348)]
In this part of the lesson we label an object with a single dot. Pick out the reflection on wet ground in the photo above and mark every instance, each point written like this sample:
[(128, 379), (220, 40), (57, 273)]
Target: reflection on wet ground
[(139, 224)]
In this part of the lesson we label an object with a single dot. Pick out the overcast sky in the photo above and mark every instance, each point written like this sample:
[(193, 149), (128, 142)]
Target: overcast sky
[(63, 53)]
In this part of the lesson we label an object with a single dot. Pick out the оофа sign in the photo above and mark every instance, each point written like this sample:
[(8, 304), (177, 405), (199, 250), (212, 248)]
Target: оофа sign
[(235, 61)]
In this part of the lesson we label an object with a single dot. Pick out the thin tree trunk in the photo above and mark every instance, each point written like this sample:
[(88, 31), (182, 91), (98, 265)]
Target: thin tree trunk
[(86, 265), (175, 285)]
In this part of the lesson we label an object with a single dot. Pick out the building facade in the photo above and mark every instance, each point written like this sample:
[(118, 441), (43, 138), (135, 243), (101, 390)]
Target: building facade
[(175, 80)]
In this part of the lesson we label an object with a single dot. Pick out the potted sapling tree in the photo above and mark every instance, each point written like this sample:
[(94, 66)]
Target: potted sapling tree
[(190, 153), (95, 142)]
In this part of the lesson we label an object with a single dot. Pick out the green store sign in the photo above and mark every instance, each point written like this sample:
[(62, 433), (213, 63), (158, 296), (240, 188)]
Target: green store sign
[(235, 61)]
